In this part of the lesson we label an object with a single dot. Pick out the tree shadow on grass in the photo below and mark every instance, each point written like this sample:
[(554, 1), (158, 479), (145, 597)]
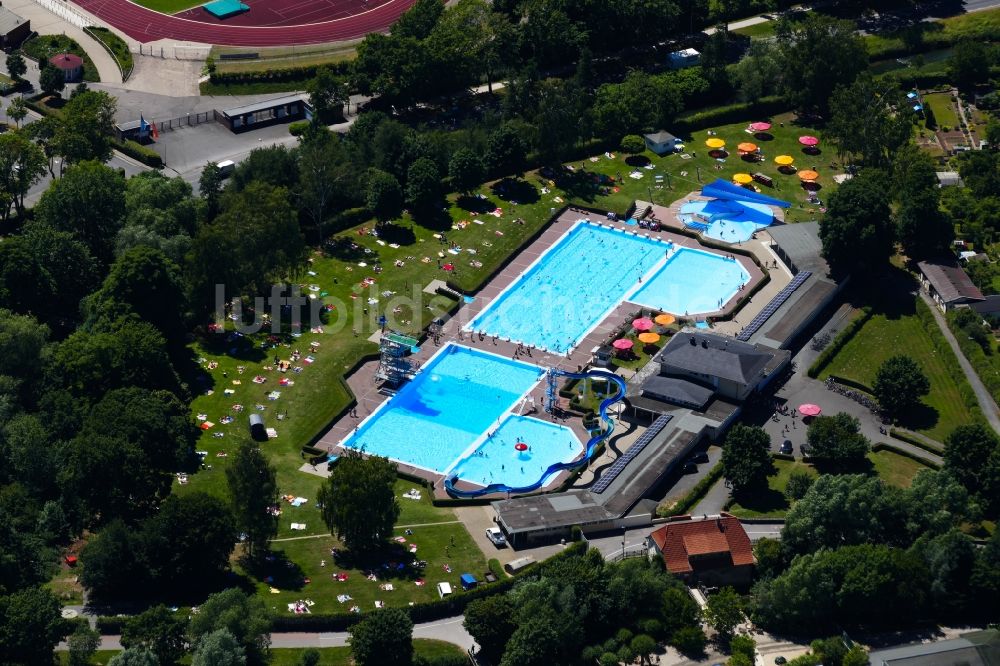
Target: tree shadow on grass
[(278, 571), (863, 466), (919, 417), (394, 233), (515, 189), (762, 500), (637, 161), (390, 561), (475, 204), (583, 185), (434, 219), (344, 248)]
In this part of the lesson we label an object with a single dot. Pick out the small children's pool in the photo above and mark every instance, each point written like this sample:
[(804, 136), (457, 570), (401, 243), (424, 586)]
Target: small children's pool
[(728, 221), (499, 460)]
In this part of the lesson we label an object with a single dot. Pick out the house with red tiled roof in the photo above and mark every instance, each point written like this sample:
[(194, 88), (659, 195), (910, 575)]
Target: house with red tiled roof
[(713, 550)]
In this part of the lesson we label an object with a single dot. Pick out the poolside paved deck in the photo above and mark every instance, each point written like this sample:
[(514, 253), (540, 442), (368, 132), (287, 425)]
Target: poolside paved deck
[(363, 384)]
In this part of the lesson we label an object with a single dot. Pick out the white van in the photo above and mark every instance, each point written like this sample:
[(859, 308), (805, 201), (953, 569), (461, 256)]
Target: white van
[(444, 589), (226, 167)]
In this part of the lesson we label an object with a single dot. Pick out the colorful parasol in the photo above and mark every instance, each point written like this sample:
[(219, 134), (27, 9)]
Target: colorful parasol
[(808, 140), (808, 174), (642, 324), (747, 147), (649, 338), (760, 126), (715, 143), (784, 160), (810, 409), (742, 178), (449, 267), (664, 319), (622, 343)]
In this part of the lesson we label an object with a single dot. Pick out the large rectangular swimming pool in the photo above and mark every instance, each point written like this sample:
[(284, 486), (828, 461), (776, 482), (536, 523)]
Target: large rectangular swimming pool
[(590, 270), (447, 410)]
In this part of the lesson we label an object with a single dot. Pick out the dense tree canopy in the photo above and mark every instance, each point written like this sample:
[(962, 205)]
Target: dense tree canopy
[(359, 501), (384, 637), (837, 441), (746, 457), (900, 382), (856, 231)]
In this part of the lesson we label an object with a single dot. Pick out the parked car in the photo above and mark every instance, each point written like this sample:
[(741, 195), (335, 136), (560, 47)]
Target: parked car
[(698, 458), (786, 447), (689, 468), (496, 536)]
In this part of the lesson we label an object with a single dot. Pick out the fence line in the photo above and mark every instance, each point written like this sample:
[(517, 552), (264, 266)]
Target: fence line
[(173, 52), (67, 13), (190, 120), (635, 550)]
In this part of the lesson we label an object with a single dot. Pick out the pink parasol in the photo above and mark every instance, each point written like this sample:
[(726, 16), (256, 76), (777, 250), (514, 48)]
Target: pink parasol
[(622, 343), (449, 267), (642, 324), (521, 446), (808, 140), (760, 126), (809, 409)]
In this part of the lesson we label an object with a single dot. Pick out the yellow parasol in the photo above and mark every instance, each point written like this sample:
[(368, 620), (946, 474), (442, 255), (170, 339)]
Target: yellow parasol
[(784, 160), (715, 143), (742, 178), (664, 319), (649, 338)]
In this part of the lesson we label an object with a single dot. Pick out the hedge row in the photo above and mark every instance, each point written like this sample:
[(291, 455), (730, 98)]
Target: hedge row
[(696, 494), (977, 358), (450, 606), (904, 435), (838, 343), (942, 347), (111, 625), (884, 446), (137, 151), (279, 74), (844, 381), (732, 113)]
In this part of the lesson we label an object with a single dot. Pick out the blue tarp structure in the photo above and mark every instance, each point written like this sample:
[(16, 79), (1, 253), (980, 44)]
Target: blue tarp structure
[(468, 581), (723, 189), (222, 9)]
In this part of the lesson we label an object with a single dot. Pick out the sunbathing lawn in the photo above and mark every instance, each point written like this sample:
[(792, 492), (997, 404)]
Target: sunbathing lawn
[(319, 394), (772, 503), (895, 469), (885, 335)]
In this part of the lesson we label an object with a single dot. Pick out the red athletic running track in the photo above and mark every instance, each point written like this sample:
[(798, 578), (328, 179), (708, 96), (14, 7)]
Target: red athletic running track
[(145, 25)]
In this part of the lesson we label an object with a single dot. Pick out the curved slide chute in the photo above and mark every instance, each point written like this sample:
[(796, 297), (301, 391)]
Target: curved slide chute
[(606, 430)]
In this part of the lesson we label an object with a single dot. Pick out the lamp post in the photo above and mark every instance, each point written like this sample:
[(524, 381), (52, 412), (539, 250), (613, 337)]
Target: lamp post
[(624, 532)]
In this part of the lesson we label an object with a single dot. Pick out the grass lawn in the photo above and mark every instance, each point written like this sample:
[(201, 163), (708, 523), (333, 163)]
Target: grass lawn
[(116, 45), (895, 469), (943, 109), (44, 47), (757, 30), (890, 332), (169, 6), (771, 503)]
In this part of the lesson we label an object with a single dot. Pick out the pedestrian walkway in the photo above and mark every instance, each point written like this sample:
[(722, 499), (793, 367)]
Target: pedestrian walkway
[(986, 402), (45, 22)]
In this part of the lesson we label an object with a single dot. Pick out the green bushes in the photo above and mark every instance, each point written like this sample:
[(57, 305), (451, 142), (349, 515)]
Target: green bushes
[(970, 342), (116, 47), (137, 151), (276, 75), (732, 113), (298, 128), (910, 438), (838, 343), (942, 347), (883, 446)]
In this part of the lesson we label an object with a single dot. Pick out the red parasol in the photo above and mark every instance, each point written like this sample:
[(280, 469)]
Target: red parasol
[(521, 446), (449, 267), (642, 324), (623, 344), (809, 409)]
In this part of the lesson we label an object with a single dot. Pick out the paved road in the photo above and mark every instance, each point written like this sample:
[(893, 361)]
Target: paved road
[(986, 402)]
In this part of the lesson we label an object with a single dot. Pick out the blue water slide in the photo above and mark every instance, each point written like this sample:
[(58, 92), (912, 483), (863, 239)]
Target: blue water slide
[(723, 189), (606, 430)]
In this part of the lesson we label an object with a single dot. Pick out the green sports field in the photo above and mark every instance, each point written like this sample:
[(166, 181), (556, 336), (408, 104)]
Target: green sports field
[(169, 6)]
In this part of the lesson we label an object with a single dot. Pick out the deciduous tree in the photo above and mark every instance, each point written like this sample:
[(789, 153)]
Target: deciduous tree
[(837, 441), (243, 616), (253, 489), (158, 630), (16, 66), (359, 501), (383, 638), (22, 164), (724, 611), (856, 231), (746, 457), (899, 384), (383, 195), (30, 626), (218, 648), (490, 621), (465, 170)]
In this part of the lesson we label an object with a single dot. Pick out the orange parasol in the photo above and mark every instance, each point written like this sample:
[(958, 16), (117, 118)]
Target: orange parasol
[(747, 147), (649, 338), (664, 319), (808, 174)]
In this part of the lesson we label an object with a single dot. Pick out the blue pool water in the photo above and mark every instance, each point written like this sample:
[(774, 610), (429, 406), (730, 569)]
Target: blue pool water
[(691, 281), (588, 272), (497, 461), (729, 221), (455, 398)]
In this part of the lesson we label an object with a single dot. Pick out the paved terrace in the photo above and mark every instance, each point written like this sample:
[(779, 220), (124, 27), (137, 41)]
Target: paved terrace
[(365, 389)]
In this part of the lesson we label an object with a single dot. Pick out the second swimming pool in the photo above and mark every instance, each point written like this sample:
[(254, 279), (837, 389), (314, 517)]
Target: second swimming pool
[(590, 270), (444, 415)]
